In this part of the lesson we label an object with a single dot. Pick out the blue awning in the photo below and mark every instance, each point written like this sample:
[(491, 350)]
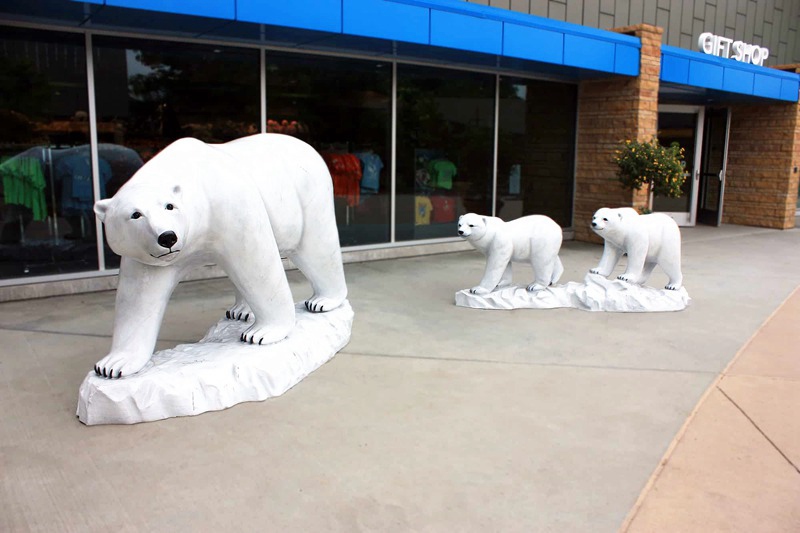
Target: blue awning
[(702, 73), (501, 36), (445, 31)]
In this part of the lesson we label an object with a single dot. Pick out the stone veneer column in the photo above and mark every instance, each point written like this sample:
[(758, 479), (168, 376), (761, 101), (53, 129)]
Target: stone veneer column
[(763, 158), (612, 110)]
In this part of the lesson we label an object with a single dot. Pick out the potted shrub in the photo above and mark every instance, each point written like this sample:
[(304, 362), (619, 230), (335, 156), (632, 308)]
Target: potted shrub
[(649, 164)]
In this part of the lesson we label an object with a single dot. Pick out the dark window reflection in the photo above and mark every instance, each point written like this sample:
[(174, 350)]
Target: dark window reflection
[(342, 107), (46, 220), (679, 128), (536, 149), (444, 149), (150, 93)]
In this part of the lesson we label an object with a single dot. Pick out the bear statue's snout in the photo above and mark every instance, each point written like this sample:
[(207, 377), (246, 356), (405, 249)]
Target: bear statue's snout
[(167, 239), (461, 232), (594, 224)]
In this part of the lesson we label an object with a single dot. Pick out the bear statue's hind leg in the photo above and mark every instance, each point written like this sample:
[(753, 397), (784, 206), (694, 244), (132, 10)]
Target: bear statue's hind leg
[(257, 271), (672, 267), (240, 310), (558, 270), (646, 271), (319, 258)]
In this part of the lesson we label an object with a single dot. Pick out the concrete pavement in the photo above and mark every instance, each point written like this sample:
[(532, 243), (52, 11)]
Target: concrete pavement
[(433, 418)]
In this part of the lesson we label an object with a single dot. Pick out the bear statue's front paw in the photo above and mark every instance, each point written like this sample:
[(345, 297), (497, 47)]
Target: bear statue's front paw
[(239, 312), (257, 334), (623, 277), (479, 290), (118, 364), (534, 287), (320, 304), (671, 287), (595, 271)]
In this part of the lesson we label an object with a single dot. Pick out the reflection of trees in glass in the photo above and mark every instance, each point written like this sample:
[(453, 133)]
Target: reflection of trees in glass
[(24, 98), (336, 100), (451, 112), (210, 94)]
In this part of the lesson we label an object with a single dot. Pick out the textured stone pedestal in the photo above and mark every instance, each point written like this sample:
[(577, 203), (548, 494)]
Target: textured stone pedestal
[(596, 293), (217, 372)]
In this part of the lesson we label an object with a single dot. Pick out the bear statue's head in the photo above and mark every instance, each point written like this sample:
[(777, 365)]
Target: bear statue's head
[(607, 218), (471, 226), (145, 221)]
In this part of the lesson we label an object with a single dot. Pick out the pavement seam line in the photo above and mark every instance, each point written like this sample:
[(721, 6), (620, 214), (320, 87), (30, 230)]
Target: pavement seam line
[(759, 429), (525, 363), (648, 487)]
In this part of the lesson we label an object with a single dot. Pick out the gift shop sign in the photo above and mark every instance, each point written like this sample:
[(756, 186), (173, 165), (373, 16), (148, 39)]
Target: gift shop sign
[(728, 48)]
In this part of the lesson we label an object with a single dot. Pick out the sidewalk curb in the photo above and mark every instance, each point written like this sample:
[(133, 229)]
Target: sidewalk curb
[(626, 524)]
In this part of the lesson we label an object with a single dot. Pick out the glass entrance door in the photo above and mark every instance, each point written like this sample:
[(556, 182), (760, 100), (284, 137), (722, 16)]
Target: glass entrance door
[(712, 167), (684, 125)]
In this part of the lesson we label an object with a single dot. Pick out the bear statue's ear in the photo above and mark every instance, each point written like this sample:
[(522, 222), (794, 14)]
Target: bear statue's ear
[(483, 219), (101, 208), (176, 190), (620, 215)]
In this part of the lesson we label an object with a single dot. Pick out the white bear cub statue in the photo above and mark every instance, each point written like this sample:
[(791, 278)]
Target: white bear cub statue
[(649, 240), (534, 239), (243, 205)]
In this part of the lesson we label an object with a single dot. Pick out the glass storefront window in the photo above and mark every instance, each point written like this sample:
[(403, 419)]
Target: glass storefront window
[(150, 93), (342, 107), (46, 218), (445, 138), (536, 149)]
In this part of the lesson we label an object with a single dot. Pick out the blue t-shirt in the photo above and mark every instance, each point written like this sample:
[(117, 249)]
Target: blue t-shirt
[(371, 178)]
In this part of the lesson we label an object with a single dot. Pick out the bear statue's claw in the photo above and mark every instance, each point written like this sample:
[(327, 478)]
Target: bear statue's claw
[(107, 373), (314, 308)]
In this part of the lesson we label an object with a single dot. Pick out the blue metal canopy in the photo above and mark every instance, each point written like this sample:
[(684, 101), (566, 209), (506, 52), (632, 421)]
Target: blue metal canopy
[(445, 31)]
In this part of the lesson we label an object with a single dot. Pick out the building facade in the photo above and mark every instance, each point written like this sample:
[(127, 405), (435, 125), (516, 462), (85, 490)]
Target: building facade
[(423, 110)]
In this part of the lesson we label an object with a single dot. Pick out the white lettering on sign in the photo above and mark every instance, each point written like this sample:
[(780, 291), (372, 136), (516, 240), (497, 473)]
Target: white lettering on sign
[(728, 48)]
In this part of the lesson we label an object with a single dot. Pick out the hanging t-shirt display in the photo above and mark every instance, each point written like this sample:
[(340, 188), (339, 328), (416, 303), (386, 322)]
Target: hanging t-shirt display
[(442, 171), (74, 171), (346, 173), (444, 208), (372, 165), (24, 183), (422, 210)]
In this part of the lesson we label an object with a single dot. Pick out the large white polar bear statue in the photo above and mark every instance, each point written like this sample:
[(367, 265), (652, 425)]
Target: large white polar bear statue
[(243, 205), (649, 240), (533, 239)]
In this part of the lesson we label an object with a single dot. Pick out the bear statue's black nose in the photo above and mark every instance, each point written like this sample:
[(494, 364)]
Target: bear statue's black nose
[(594, 224), (461, 232), (167, 239)]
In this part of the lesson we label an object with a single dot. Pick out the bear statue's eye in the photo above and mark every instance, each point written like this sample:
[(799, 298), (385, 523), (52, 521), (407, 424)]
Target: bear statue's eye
[(605, 220), (169, 207), (136, 214), (472, 225)]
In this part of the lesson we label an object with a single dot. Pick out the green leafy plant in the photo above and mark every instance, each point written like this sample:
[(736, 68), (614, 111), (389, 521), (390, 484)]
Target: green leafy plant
[(661, 169)]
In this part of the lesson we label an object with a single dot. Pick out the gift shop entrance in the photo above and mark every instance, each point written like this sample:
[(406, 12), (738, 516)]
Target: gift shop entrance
[(703, 134)]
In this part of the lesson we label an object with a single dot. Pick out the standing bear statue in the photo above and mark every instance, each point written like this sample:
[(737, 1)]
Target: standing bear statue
[(533, 239), (648, 240), (243, 205)]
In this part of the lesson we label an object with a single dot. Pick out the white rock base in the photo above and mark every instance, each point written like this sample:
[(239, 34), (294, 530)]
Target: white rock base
[(596, 293), (217, 372)]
